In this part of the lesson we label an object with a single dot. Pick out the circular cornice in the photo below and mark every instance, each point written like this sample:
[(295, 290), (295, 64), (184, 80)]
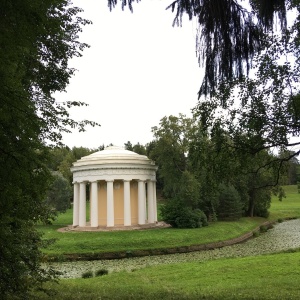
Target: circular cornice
[(112, 158)]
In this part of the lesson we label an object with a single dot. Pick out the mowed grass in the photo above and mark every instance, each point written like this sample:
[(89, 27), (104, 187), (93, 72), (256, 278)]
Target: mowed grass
[(265, 277), (289, 207), (261, 277), (120, 241)]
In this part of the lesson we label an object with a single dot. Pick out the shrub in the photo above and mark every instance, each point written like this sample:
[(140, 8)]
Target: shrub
[(263, 228), (255, 233), (177, 214), (88, 274), (101, 272)]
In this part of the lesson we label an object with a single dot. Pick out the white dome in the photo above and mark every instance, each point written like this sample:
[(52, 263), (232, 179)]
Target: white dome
[(113, 163), (113, 155)]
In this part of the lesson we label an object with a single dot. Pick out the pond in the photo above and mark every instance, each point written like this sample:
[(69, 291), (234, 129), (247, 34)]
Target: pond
[(283, 236)]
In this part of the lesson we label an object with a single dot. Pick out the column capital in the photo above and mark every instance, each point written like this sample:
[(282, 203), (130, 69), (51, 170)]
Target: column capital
[(84, 181)]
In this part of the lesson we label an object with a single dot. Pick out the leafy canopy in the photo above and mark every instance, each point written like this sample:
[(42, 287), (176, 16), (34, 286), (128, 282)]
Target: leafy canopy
[(229, 33), (37, 39)]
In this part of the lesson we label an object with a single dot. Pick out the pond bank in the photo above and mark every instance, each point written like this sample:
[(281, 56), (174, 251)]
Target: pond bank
[(283, 236)]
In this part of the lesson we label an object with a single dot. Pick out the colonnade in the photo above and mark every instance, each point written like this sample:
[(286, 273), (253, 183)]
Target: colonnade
[(147, 206)]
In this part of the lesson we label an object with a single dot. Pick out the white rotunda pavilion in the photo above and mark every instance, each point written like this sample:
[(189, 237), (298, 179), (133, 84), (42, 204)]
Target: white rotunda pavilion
[(122, 187)]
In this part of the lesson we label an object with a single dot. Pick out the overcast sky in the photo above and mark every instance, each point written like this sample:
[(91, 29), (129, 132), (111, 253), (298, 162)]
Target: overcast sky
[(138, 69)]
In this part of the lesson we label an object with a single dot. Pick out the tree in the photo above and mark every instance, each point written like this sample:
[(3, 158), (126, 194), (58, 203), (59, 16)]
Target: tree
[(260, 113), (230, 205), (229, 33), (235, 38), (37, 39), (61, 159), (128, 146), (139, 149), (170, 150), (59, 194), (290, 168)]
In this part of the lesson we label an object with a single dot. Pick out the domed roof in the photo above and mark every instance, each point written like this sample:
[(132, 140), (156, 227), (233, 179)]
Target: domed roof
[(113, 155)]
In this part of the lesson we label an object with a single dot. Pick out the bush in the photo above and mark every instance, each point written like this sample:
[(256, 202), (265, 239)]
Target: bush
[(101, 272), (88, 274), (178, 215), (263, 228)]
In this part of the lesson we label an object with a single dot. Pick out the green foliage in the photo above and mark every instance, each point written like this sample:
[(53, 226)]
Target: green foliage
[(88, 274), (170, 150), (62, 158), (229, 33), (37, 39), (230, 206), (20, 260), (177, 214), (101, 272), (263, 228), (59, 194), (137, 148), (262, 203), (188, 190)]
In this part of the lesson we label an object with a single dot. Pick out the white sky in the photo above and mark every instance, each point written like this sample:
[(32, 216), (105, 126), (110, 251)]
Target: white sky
[(138, 69)]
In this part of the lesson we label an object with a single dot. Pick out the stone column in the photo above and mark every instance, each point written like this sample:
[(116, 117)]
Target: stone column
[(82, 204), (150, 200), (141, 202), (94, 204), (110, 222), (127, 207), (76, 204), (154, 201)]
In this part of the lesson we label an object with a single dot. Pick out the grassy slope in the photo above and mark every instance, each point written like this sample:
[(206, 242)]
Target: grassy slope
[(289, 207), (261, 277), (117, 241), (90, 242)]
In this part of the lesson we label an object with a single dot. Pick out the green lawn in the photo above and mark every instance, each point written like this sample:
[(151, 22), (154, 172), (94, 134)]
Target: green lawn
[(263, 277), (120, 241), (289, 207)]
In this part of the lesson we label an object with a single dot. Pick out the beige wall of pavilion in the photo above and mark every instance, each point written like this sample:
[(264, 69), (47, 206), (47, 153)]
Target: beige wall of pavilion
[(118, 202)]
